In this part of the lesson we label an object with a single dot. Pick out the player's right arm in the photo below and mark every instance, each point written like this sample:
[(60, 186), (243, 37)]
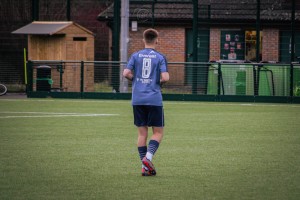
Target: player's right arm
[(127, 73)]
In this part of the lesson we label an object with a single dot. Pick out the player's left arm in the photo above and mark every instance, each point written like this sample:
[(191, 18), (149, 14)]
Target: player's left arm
[(164, 77)]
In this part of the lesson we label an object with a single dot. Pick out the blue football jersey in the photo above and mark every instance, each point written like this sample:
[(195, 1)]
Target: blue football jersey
[(147, 65)]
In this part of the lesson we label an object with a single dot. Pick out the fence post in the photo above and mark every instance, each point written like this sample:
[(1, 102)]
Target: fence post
[(153, 10), (60, 76), (69, 10), (292, 80), (195, 46), (82, 77), (293, 31), (35, 10), (255, 79), (257, 31), (29, 86), (219, 78), (292, 47)]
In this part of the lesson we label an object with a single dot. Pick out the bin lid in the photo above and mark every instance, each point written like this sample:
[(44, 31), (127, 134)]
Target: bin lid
[(43, 67)]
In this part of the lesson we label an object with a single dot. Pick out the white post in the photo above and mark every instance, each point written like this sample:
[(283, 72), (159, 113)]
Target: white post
[(124, 43)]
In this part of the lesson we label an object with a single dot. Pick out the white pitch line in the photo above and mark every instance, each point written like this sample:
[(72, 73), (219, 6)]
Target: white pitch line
[(35, 116), (255, 104), (47, 114)]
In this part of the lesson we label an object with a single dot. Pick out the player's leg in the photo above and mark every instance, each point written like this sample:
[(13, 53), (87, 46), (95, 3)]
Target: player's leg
[(154, 142), (140, 120), (158, 133), (142, 141), (156, 120), (156, 116), (142, 147), (152, 148), (142, 136)]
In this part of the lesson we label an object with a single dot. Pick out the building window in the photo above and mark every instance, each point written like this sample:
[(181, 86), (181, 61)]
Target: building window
[(250, 43), (79, 38), (239, 45)]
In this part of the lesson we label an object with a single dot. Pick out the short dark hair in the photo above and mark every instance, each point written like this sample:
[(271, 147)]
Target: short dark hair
[(150, 35)]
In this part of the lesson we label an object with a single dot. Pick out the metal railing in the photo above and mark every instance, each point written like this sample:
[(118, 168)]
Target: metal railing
[(187, 78)]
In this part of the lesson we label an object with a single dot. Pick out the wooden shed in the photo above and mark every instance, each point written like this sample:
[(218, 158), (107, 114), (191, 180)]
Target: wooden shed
[(65, 41)]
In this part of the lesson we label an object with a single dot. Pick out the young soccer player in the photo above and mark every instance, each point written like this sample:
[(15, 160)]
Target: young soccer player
[(147, 69)]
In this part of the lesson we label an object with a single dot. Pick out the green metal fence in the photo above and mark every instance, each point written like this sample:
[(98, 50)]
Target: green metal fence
[(212, 81), (251, 79)]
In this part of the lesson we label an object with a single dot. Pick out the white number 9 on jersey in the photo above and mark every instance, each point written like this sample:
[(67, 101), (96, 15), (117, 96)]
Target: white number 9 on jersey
[(146, 67)]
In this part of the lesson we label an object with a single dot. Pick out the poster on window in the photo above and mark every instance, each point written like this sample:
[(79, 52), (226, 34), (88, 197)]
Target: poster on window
[(228, 36), (232, 54), (232, 45)]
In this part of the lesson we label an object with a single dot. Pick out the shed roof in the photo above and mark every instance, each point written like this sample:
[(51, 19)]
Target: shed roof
[(46, 28)]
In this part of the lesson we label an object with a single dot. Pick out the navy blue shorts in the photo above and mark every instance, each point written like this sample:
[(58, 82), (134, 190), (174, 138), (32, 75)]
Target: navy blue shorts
[(145, 115)]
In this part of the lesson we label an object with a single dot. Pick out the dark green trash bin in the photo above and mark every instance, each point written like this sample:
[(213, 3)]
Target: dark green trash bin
[(43, 78)]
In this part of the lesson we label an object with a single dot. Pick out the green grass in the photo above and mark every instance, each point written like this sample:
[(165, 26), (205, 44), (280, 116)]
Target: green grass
[(210, 151)]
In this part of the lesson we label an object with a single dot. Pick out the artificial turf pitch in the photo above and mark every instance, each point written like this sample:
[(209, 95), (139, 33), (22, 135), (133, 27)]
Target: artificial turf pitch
[(67, 149)]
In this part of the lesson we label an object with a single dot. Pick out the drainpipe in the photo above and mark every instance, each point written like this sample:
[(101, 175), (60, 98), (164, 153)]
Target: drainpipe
[(115, 81), (124, 43)]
